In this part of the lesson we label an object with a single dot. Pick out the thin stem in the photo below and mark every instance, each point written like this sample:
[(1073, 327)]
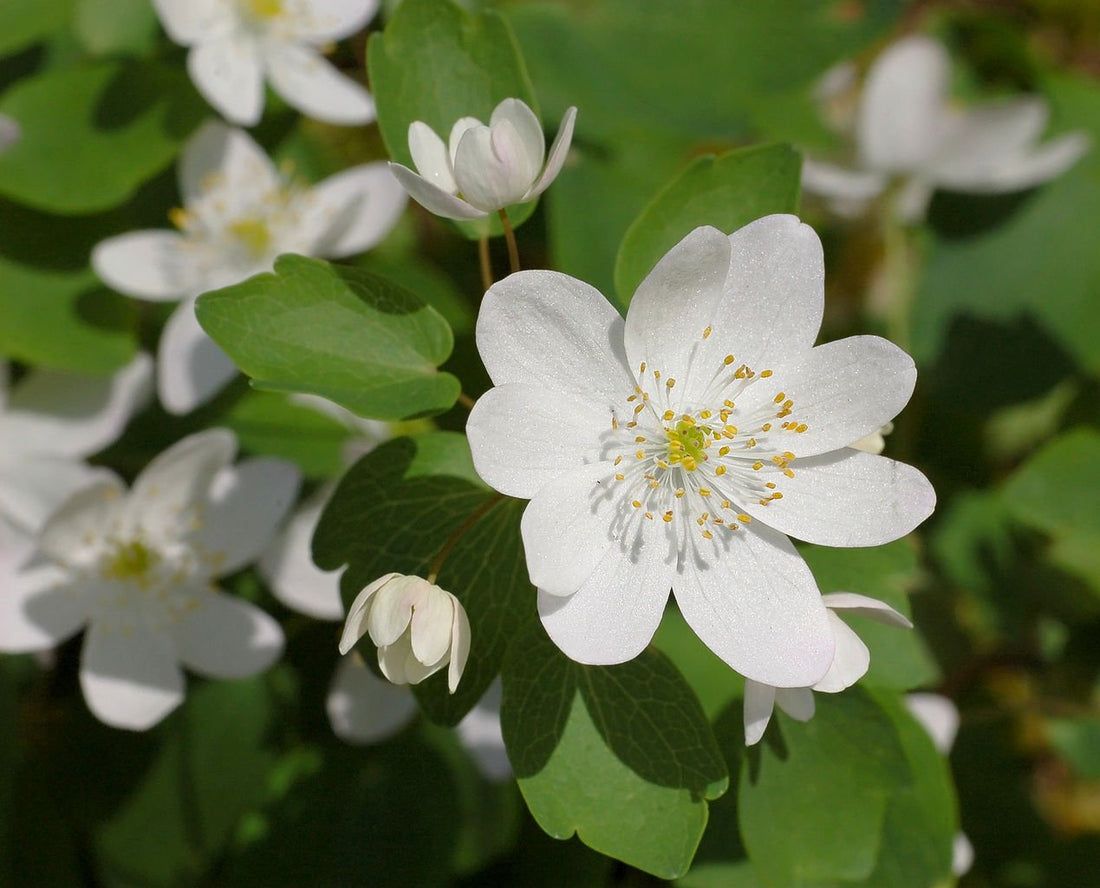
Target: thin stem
[(476, 516), (486, 263), (465, 400), (510, 239)]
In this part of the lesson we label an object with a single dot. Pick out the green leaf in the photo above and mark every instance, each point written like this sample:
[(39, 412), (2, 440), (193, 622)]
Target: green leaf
[(727, 192), (1077, 740), (28, 21), (210, 771), (1055, 492), (620, 755), (921, 817), (899, 657), (65, 320), (336, 331), (714, 683), (114, 125), (417, 497), (812, 801), (116, 26), (722, 875), (436, 62)]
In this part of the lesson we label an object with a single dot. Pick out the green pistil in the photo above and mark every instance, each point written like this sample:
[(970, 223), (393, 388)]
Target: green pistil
[(687, 444), (132, 562)]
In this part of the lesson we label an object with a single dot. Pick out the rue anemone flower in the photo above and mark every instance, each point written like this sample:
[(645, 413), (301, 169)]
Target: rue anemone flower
[(239, 212), (417, 627), (137, 568), (238, 44), (483, 169), (850, 663), (679, 448), (908, 130)]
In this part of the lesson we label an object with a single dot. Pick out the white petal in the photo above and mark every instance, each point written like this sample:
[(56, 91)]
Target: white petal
[(432, 198), (675, 303), (37, 609), (225, 637), (526, 126), (188, 21), (32, 489), (1025, 169), (460, 646), (551, 330), (401, 666), (326, 21), (854, 187), (353, 210), (556, 158), (982, 135), (309, 83), (364, 709), (774, 296), (458, 130), (355, 626), (480, 735), (759, 703), (902, 112), (228, 73), (287, 567), (191, 367), (850, 662), (227, 160), (73, 535), (150, 265), (567, 529), (431, 157), (490, 167), (66, 414), (130, 678), (431, 625), (938, 716), (247, 503), (848, 498), (962, 855), (756, 605), (863, 606), (912, 199), (842, 391), (164, 501), (524, 436), (612, 616), (798, 703)]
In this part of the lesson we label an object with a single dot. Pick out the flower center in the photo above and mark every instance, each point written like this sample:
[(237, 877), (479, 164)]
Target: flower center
[(677, 462), (131, 562), (263, 9), (253, 234)]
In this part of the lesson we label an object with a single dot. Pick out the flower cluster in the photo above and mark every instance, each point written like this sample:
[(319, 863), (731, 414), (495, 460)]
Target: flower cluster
[(680, 448)]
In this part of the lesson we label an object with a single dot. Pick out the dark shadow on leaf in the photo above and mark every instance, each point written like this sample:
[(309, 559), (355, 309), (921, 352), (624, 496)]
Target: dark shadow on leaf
[(957, 216)]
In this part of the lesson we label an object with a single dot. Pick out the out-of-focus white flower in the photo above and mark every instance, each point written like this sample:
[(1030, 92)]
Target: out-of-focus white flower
[(238, 214), (907, 128), (362, 708), (940, 718), (50, 421), (484, 168), (238, 44), (417, 627), (680, 448), (137, 568), (850, 663), (10, 132)]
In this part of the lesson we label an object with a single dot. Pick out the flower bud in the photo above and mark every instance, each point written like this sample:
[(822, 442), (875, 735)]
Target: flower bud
[(417, 627)]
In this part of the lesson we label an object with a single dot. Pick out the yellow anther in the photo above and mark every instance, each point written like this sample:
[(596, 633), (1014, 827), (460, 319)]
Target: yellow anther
[(639, 409), (722, 451), (779, 398), (670, 382), (179, 217), (706, 333), (708, 535), (690, 464), (757, 466), (679, 492), (777, 495), (618, 459), (721, 470), (639, 454), (730, 430), (728, 403), (705, 414), (632, 398), (744, 519), (614, 423), (766, 427), (789, 473), (662, 464), (725, 504), (668, 416), (770, 485), (619, 476), (801, 427), (649, 515), (764, 374), (640, 439), (654, 484), (667, 517), (636, 504), (727, 360), (687, 419), (788, 455), (641, 367)]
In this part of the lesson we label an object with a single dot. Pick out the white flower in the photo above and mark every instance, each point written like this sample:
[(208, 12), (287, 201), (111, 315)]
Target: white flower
[(50, 421), (850, 663), (137, 568), (874, 442), (939, 717), (907, 127), (237, 44), (679, 449), (238, 214), (10, 132), (361, 708), (417, 627), (484, 168)]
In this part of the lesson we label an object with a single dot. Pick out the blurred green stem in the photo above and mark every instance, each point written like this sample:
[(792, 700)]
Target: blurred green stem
[(486, 264), (510, 239)]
